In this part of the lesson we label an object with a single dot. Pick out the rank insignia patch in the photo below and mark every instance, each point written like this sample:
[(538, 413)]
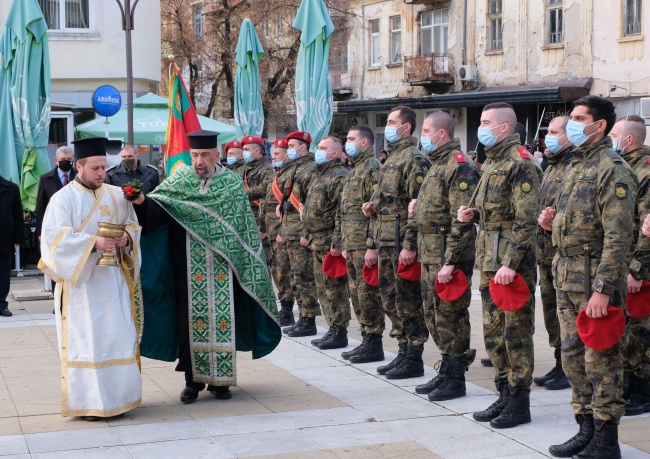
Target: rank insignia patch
[(419, 179), (621, 190), (526, 187), (462, 186)]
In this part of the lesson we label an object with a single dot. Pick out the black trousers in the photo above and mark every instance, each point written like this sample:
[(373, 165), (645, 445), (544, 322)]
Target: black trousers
[(5, 274)]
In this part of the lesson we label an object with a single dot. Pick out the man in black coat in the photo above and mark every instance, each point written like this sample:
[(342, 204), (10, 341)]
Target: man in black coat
[(53, 181), (132, 169), (11, 233)]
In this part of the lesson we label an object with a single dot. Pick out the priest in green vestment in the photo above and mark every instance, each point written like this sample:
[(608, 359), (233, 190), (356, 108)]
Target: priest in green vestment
[(206, 287)]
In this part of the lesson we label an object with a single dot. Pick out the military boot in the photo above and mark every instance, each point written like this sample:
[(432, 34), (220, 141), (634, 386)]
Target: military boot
[(516, 411), (442, 366), (411, 366), (579, 441), (286, 314), (604, 443), (347, 354), (495, 409), (486, 363), (638, 401), (559, 380), (316, 342), (453, 385), (337, 339), (393, 363), (306, 326), (372, 352), (541, 380)]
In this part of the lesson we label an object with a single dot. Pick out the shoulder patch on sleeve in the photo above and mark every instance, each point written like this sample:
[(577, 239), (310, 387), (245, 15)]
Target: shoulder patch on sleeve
[(523, 153), (526, 186), (462, 185), (419, 178), (621, 190), (460, 158)]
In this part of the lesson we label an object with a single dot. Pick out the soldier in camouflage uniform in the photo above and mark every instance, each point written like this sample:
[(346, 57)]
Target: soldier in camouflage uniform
[(400, 183), (322, 218), (592, 225), (235, 157), (445, 244), (506, 203), (559, 158), (358, 188), (280, 266), (628, 136), (294, 233)]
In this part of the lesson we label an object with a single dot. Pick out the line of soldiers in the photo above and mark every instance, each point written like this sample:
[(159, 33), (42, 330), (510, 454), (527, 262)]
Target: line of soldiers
[(402, 240)]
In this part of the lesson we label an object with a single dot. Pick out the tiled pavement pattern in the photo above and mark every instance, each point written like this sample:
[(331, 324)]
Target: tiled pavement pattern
[(299, 402)]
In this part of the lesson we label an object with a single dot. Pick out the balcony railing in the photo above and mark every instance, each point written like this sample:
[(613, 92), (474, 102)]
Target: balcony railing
[(340, 81), (428, 68)]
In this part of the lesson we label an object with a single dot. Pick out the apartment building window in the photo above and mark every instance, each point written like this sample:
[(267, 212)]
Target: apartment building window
[(265, 26), (554, 21), (632, 17), (495, 25), (197, 14), (279, 24), (434, 27), (338, 61), (375, 44), (66, 14), (395, 39)]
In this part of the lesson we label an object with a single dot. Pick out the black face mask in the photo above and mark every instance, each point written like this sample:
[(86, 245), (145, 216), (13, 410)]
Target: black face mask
[(65, 165), (128, 163)]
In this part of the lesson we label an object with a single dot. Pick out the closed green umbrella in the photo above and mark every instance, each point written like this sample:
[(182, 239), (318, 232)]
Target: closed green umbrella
[(25, 73), (313, 88), (249, 116)]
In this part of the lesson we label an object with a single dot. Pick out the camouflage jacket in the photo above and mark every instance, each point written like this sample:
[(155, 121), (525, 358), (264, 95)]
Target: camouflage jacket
[(358, 187), (239, 168), (639, 161), (322, 214), (507, 207), (272, 222), (293, 226), (448, 185), (552, 182), (595, 206), (257, 177), (399, 183)]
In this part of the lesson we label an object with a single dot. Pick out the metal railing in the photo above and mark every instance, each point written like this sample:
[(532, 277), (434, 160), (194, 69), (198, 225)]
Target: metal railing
[(428, 67)]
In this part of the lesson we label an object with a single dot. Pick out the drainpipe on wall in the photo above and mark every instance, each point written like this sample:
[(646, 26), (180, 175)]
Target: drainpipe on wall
[(464, 53), (363, 50)]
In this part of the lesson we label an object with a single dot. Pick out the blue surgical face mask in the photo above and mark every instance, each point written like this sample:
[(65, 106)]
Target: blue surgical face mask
[(248, 156), (575, 131), (321, 157), (486, 137), (427, 145), (293, 154), (618, 148), (278, 164), (552, 143), (390, 132), (351, 149), (231, 160)]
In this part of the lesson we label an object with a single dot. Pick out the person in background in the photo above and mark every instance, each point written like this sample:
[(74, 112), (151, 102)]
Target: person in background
[(11, 233), (131, 169)]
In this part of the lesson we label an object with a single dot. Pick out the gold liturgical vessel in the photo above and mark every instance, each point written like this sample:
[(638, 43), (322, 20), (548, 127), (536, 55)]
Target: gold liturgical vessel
[(109, 230)]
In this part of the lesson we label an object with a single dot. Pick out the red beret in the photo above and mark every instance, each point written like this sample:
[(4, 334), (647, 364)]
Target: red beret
[(601, 334), (300, 135), (252, 139), (412, 272), (638, 304), (510, 297), (334, 267), (371, 275), (454, 289), (229, 145), (280, 143)]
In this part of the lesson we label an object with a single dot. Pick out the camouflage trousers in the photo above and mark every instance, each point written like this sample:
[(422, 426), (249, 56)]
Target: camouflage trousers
[(596, 377), (448, 322), (402, 301), (332, 293), (637, 349), (303, 283), (509, 335), (366, 300), (549, 305), (281, 272)]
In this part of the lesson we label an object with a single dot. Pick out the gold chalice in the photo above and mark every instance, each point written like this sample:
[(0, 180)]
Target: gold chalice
[(109, 230)]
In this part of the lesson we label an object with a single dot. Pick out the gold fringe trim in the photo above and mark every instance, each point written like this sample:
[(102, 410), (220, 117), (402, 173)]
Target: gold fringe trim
[(104, 364)]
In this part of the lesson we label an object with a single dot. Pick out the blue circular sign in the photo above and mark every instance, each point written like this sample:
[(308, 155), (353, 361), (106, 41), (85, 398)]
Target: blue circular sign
[(107, 100)]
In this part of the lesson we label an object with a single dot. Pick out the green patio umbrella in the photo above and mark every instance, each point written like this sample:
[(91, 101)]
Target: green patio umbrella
[(150, 117), (25, 86), (249, 116), (313, 88)]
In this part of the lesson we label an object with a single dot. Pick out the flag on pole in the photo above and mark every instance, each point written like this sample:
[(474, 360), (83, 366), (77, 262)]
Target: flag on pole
[(182, 121)]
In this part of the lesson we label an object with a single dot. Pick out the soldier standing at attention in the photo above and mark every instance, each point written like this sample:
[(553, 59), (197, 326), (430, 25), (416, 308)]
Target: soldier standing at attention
[(507, 200), (628, 136), (280, 266), (235, 157), (356, 228), (445, 244), (592, 225), (396, 241), (559, 158)]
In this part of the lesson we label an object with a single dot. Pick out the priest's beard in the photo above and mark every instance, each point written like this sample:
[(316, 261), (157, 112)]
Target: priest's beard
[(91, 184)]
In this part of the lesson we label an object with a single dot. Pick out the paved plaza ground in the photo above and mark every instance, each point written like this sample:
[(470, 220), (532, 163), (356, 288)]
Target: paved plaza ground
[(298, 402)]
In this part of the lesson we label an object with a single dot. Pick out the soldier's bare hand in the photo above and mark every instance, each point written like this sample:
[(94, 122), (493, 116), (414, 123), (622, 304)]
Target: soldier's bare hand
[(279, 239), (335, 253), (368, 209), (633, 285), (545, 219), (597, 306), (444, 275), (304, 241), (105, 244), (122, 241), (138, 201), (412, 205), (262, 236), (277, 211), (371, 257), (465, 214), (344, 254), (504, 275), (407, 257), (646, 226)]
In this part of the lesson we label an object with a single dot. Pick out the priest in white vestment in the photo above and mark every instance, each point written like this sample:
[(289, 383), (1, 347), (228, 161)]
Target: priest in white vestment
[(97, 307)]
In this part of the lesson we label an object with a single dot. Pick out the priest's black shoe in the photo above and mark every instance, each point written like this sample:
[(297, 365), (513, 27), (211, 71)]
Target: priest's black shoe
[(336, 340), (220, 392), (306, 326), (189, 395), (316, 341), (442, 366), (372, 352), (286, 314), (5, 312), (347, 354), (453, 385), (495, 409), (579, 441), (382, 370), (90, 418), (516, 411), (411, 365), (486, 363), (604, 443)]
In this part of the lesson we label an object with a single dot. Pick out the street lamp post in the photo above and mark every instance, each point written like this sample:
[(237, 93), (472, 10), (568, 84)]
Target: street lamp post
[(127, 25)]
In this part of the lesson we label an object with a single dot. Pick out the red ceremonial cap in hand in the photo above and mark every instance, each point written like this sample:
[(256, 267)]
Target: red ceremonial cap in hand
[(411, 272), (334, 267), (510, 297), (371, 275), (603, 333), (454, 289), (638, 304)]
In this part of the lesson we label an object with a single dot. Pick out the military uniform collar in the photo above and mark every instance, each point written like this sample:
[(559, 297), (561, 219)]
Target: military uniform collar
[(558, 157), (361, 157), (237, 164), (309, 157), (588, 150), (444, 150), (253, 164), (328, 165), (500, 149), (406, 142), (637, 155)]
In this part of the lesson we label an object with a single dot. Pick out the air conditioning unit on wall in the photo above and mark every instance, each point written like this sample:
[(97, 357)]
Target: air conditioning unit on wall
[(467, 73)]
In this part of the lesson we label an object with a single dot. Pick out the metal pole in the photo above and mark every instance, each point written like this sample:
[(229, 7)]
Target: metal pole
[(127, 25)]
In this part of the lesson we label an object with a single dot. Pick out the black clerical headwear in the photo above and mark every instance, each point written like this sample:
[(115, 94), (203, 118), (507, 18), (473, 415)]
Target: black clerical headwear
[(203, 140), (89, 146)]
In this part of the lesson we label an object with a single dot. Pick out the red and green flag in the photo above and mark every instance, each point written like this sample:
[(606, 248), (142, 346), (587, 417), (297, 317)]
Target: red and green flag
[(182, 121)]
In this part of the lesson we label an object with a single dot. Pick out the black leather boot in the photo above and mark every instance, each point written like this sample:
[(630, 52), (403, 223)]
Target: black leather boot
[(579, 441), (286, 330), (541, 380), (347, 354), (306, 326), (411, 366), (604, 443), (638, 401), (486, 363), (372, 352), (453, 385), (516, 411), (286, 314), (393, 363), (316, 342), (336, 340), (495, 409), (559, 380), (442, 366)]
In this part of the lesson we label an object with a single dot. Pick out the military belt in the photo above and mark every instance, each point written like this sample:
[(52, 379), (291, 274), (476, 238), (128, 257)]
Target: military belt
[(426, 229), (322, 233), (392, 218), (293, 217), (497, 226), (585, 250), (354, 218)]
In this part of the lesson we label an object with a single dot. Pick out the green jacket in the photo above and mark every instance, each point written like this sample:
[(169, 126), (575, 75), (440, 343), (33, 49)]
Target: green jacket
[(639, 161), (293, 226)]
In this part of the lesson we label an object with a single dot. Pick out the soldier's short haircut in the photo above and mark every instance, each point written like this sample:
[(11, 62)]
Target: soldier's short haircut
[(563, 120), (635, 127), (63, 151), (336, 141), (442, 120), (406, 115), (365, 133), (521, 130), (130, 148), (505, 114), (600, 109)]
